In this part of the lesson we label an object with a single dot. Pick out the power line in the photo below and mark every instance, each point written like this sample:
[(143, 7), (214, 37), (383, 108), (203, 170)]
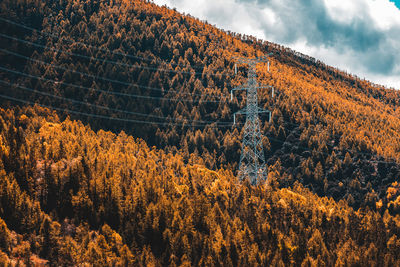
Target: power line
[(332, 135), (174, 124), (100, 90), (94, 76), (102, 107), (333, 146), (107, 50), (107, 117), (111, 62), (149, 97), (93, 58), (327, 154)]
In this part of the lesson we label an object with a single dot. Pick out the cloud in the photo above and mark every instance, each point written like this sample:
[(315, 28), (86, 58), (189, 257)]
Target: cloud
[(396, 2), (360, 36)]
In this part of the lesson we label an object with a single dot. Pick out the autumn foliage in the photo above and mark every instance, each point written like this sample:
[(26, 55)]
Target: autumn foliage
[(333, 132), (80, 189), (70, 196)]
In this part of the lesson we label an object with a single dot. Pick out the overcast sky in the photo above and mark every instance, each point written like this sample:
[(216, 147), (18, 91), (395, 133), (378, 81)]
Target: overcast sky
[(360, 36)]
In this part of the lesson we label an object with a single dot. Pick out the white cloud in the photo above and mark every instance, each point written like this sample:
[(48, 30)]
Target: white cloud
[(360, 36), (384, 13)]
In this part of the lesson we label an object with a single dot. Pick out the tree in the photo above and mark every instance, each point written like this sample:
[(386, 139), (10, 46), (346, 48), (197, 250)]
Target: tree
[(4, 236)]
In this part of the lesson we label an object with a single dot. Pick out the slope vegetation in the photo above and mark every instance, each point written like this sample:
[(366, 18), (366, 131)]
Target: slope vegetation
[(71, 196), (166, 77)]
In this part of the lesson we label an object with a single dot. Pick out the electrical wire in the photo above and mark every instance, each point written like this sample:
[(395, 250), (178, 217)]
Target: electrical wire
[(327, 154), (102, 91), (107, 117), (93, 76), (213, 124), (327, 144), (333, 135), (106, 50), (394, 161), (92, 58), (103, 78), (104, 107), (142, 114)]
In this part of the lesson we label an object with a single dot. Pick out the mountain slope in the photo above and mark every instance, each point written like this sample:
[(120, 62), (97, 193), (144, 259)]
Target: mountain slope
[(334, 133), (71, 196)]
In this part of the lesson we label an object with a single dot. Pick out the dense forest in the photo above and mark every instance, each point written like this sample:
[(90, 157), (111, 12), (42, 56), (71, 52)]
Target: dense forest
[(69, 195), (77, 187)]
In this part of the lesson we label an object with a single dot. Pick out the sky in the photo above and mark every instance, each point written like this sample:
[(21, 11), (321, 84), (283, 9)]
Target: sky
[(396, 2), (359, 36)]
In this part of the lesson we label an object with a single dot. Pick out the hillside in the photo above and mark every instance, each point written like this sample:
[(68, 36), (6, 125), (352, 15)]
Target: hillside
[(70, 196), (136, 62), (138, 132)]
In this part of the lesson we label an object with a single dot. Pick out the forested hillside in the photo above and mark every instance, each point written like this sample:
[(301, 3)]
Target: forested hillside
[(135, 62), (92, 192), (69, 195)]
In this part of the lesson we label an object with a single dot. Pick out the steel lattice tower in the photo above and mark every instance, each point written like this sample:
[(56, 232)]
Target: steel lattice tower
[(252, 160)]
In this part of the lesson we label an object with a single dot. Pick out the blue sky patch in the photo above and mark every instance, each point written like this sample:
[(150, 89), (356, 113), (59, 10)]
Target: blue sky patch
[(396, 2)]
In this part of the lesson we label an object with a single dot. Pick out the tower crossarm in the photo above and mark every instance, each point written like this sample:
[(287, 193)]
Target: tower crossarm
[(268, 86), (265, 86), (263, 58), (237, 89), (245, 112), (261, 110), (240, 112)]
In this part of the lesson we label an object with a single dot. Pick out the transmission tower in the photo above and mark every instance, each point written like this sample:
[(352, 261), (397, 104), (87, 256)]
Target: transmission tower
[(252, 160)]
